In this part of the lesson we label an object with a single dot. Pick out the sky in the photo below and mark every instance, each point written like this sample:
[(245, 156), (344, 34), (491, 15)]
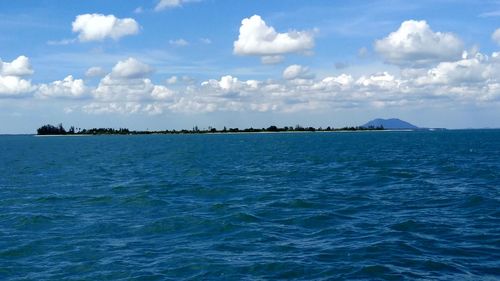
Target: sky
[(172, 64)]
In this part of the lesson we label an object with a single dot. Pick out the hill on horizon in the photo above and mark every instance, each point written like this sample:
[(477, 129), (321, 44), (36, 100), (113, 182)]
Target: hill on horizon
[(392, 124)]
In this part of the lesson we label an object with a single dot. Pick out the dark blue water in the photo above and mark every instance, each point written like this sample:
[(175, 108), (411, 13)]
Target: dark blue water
[(315, 206)]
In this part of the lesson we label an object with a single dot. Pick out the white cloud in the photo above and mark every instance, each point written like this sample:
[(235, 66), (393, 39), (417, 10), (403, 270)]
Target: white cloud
[(226, 83), (495, 57), (296, 71), (11, 77), (66, 88), (130, 68), (113, 89), (179, 42), (416, 44), (21, 66), (379, 81), (165, 4), (95, 71), (14, 86), (334, 83), (259, 39), (97, 27), (162, 93), (229, 83), (169, 4), (496, 36), (129, 82), (467, 71)]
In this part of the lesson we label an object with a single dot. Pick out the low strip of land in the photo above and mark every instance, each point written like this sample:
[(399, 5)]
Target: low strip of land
[(60, 130)]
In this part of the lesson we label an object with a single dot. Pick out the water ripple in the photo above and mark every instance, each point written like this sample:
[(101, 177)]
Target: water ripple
[(371, 206)]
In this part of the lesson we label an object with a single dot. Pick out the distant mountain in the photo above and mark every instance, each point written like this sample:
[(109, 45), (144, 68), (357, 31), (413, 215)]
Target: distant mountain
[(391, 124)]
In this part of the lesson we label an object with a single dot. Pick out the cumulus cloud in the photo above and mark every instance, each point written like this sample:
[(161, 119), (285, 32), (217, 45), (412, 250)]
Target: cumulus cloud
[(131, 68), (162, 93), (12, 82), (416, 44), (21, 66), (97, 27), (334, 83), (466, 71), (66, 88), (129, 82), (14, 86), (229, 83), (258, 39), (379, 81), (296, 71), (117, 89)]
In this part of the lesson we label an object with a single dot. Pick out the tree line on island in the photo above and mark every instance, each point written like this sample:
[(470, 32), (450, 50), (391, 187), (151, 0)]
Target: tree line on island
[(60, 130)]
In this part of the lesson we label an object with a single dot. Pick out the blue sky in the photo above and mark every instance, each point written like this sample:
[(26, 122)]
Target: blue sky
[(175, 64)]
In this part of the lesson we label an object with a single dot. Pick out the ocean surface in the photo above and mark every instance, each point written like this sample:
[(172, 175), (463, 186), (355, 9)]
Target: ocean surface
[(311, 206)]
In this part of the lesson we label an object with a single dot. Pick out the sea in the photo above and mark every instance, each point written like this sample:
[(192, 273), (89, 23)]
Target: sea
[(416, 205)]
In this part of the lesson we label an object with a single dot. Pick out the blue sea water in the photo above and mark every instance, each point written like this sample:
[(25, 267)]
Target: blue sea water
[(312, 206)]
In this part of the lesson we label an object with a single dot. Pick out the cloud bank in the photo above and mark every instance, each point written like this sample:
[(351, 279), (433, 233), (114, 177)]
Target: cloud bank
[(433, 70)]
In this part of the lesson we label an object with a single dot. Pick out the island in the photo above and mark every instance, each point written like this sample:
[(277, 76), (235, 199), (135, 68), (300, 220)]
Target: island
[(60, 130), (391, 124)]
